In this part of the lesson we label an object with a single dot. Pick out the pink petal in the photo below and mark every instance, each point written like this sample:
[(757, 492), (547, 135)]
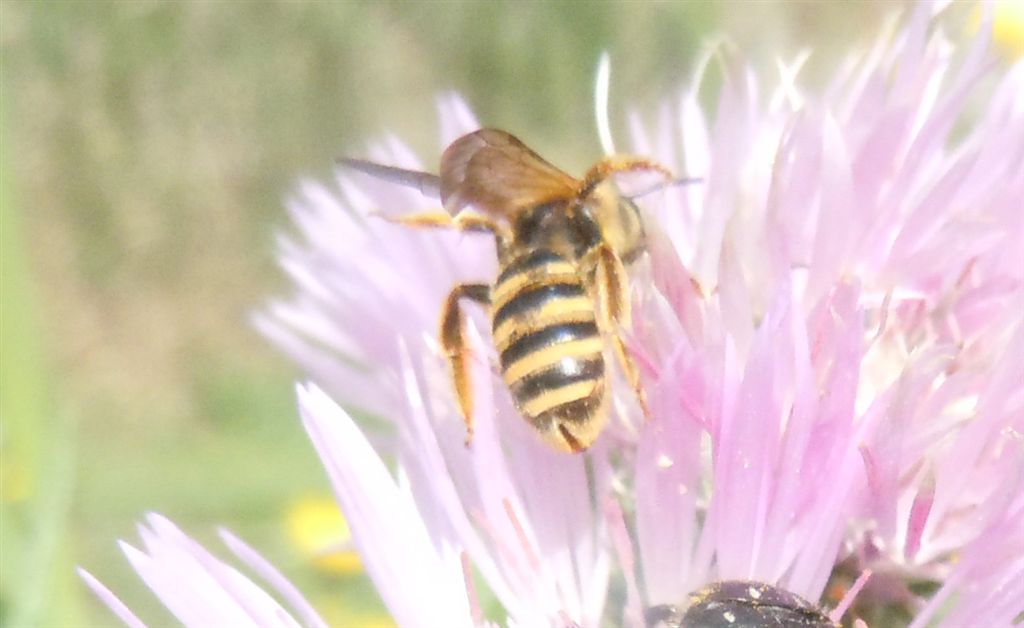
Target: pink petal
[(420, 583), (112, 601)]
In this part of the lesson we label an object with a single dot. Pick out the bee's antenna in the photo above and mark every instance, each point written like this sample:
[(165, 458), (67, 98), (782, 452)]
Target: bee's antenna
[(428, 184), (661, 185)]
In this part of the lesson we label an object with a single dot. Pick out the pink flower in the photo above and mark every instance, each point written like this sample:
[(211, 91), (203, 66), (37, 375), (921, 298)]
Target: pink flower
[(201, 590), (829, 328)]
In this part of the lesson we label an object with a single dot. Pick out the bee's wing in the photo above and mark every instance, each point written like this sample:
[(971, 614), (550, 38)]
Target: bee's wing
[(428, 184), (499, 175)]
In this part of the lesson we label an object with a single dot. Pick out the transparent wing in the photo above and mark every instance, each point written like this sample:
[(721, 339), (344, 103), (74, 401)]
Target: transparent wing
[(499, 175)]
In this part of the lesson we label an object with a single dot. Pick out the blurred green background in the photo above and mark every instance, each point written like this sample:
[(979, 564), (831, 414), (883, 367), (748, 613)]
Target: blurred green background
[(146, 150)]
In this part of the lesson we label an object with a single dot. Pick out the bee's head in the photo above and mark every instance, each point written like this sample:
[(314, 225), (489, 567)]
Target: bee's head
[(617, 218)]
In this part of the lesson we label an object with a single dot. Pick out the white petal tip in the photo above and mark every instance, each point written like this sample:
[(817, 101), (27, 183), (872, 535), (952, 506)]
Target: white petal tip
[(601, 90)]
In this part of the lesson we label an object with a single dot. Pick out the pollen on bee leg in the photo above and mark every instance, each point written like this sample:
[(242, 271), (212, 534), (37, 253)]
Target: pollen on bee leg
[(456, 348)]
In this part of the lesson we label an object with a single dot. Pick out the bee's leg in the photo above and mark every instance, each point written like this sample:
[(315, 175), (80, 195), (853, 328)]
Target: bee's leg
[(453, 343), (617, 163), (441, 219), (614, 311)]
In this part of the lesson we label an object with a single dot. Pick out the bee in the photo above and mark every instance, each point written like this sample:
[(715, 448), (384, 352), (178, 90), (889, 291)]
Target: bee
[(562, 292), (740, 604)]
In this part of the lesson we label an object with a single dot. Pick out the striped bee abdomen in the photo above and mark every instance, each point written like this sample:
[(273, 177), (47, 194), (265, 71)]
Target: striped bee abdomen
[(549, 343)]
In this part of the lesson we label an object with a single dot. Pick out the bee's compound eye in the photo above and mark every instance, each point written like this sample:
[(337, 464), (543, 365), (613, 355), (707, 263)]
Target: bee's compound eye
[(584, 231)]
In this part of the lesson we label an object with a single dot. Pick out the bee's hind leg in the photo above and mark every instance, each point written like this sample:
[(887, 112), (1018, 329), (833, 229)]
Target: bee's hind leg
[(454, 345), (614, 312), (453, 324)]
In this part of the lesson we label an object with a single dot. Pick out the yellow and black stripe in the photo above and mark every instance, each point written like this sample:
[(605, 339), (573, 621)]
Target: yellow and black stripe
[(547, 336)]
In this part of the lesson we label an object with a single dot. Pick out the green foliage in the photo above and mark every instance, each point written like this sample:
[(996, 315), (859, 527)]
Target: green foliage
[(36, 445)]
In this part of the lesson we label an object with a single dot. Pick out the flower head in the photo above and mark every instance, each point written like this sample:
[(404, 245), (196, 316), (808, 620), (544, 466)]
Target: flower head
[(829, 334)]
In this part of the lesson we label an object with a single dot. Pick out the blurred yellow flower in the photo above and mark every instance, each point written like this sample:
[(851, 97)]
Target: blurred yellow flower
[(1007, 26), (14, 479), (316, 526), (337, 613)]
